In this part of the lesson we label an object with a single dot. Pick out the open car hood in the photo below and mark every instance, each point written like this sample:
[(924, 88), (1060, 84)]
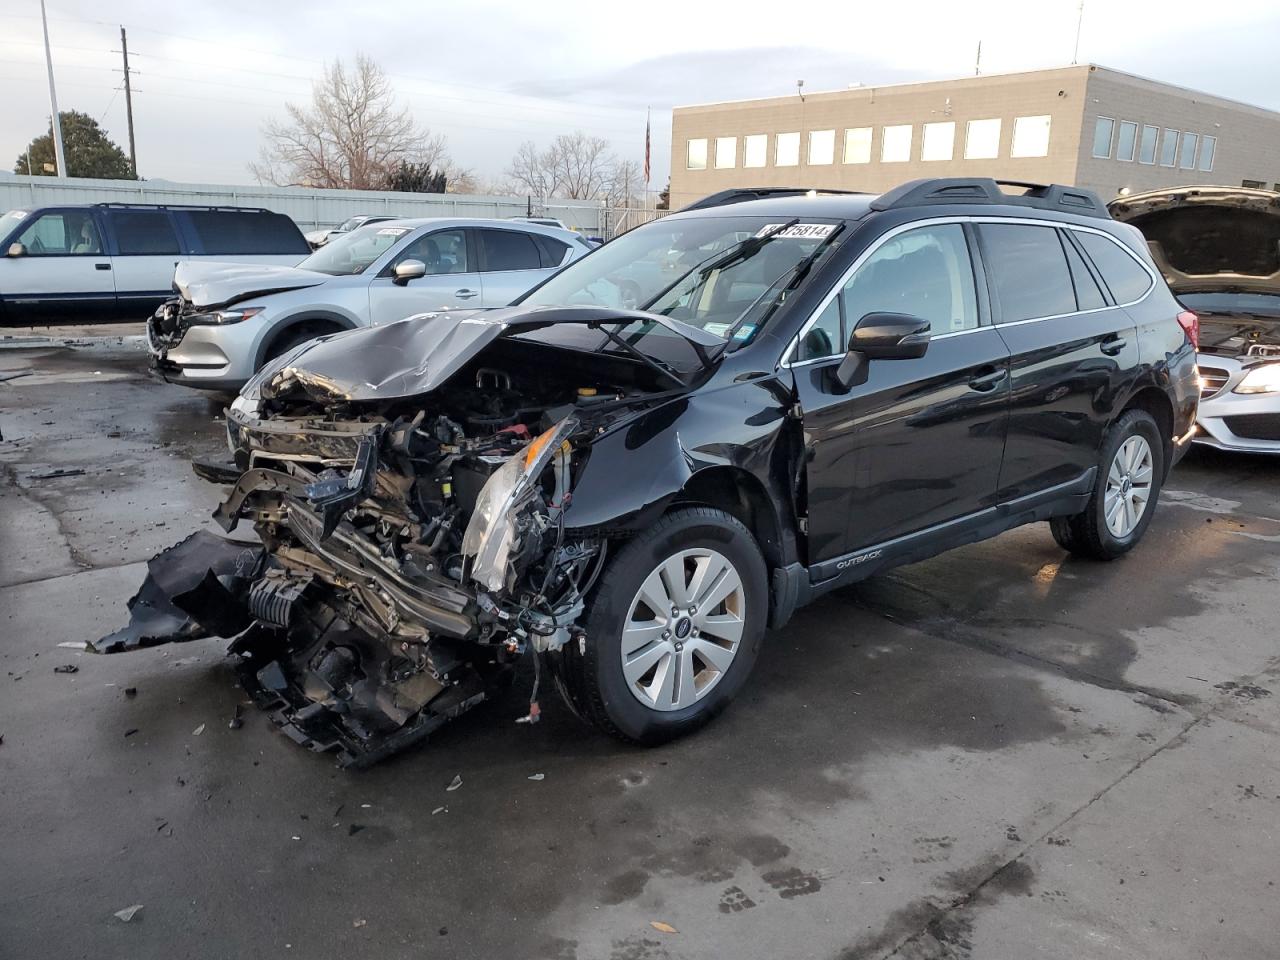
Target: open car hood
[(209, 285), (418, 354), (1209, 238)]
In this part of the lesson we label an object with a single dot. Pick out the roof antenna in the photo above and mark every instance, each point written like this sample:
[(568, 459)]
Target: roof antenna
[(1075, 54), (800, 89), (977, 64)]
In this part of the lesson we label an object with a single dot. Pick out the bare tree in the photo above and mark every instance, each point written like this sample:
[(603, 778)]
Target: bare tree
[(531, 171), (352, 134), (625, 185), (576, 167)]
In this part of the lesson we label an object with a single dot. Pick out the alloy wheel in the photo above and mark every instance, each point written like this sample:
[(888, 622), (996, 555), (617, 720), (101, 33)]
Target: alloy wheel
[(683, 629), (1128, 486)]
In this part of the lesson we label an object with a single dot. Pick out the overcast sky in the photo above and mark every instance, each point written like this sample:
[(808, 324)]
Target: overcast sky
[(491, 74)]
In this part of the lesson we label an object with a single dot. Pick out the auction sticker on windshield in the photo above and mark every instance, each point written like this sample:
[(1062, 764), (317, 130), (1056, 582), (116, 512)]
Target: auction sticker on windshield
[(801, 231), (393, 231)]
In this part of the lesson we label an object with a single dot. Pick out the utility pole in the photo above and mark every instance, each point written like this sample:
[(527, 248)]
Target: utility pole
[(1075, 55), (128, 101), (59, 157), (977, 64)]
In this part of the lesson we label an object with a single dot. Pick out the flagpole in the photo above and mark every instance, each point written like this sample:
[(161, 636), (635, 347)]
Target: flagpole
[(648, 112)]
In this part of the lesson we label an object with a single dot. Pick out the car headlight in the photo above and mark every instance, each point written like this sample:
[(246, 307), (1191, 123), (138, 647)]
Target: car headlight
[(491, 531), (1263, 379), (223, 317)]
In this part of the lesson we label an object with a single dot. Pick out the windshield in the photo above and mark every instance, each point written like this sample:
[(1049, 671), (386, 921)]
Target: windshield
[(11, 220), (685, 269), (349, 224), (1246, 303), (352, 253)]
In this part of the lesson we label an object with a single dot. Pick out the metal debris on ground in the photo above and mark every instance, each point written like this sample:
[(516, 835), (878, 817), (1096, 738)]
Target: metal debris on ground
[(358, 923), (236, 722), (198, 730), (439, 810), (128, 913), (66, 668), (538, 776), (455, 783), (73, 645), (53, 472), (131, 731)]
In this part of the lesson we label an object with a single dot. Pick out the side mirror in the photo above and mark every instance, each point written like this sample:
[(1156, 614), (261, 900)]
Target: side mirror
[(407, 270), (16, 250), (882, 336)]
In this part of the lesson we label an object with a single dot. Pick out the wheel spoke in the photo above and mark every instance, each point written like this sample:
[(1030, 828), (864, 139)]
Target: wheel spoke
[(706, 574), (634, 668), (726, 626), (673, 579), (1114, 508), (1142, 476), (686, 690), (636, 636), (663, 686), (716, 656), (1115, 475), (720, 590), (654, 594)]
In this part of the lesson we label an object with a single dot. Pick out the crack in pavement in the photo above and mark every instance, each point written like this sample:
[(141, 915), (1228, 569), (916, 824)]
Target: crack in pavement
[(941, 913)]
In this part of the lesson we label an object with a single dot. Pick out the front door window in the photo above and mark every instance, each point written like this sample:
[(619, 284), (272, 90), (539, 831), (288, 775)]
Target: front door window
[(61, 234)]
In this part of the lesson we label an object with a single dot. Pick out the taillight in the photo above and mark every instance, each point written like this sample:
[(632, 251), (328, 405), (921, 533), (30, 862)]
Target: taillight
[(1189, 322)]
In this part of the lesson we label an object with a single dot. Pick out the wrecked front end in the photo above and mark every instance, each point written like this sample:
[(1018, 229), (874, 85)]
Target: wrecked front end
[(410, 547)]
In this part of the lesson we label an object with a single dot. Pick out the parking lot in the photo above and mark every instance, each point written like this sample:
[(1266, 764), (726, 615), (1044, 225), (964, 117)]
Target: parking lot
[(996, 753)]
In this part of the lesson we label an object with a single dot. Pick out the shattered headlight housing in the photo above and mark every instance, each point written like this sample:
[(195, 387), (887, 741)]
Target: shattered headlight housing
[(493, 527)]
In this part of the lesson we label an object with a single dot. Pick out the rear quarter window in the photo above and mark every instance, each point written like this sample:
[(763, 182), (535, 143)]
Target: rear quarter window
[(1125, 277), (552, 251), (246, 232)]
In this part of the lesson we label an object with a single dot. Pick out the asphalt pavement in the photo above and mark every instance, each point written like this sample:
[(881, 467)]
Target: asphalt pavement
[(998, 753)]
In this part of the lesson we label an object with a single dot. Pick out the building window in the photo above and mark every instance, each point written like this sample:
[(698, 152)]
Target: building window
[(787, 150), (1253, 184), (982, 139), (696, 158), (755, 150), (937, 141), (726, 152), (1169, 148), (895, 144), (1147, 149), (1127, 140), (1103, 129), (1208, 147), (822, 147), (1030, 137), (857, 145), (1187, 155)]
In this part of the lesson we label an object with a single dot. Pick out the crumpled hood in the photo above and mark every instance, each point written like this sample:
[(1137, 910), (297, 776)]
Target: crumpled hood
[(418, 354), (1209, 238), (207, 284)]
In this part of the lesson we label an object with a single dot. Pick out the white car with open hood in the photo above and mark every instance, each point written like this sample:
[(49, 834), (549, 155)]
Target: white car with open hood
[(229, 319), (1219, 251)]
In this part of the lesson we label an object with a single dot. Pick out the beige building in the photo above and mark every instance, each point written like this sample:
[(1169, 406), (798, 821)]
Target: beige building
[(1083, 125)]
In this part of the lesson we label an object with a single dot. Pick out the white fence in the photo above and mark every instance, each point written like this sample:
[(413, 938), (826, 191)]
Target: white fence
[(309, 208)]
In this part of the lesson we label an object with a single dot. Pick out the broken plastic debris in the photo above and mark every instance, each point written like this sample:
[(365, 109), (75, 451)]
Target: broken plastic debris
[(236, 722), (128, 913), (358, 923), (198, 730), (130, 691), (73, 645), (662, 927), (53, 472), (66, 668), (439, 810), (538, 776), (295, 837), (455, 783)]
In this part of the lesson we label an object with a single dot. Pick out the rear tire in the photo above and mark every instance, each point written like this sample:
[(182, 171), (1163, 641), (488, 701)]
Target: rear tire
[(682, 666), (1125, 492)]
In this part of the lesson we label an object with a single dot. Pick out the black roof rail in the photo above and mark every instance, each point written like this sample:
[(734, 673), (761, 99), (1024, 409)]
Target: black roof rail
[(742, 194), (946, 190), (125, 205)]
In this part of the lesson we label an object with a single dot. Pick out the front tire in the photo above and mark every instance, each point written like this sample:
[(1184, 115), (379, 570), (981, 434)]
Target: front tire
[(673, 629), (1125, 492)]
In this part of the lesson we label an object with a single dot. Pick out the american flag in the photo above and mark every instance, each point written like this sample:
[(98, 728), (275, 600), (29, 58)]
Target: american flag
[(646, 148)]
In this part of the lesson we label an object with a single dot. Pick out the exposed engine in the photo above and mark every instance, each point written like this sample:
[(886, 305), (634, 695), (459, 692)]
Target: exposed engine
[(410, 550)]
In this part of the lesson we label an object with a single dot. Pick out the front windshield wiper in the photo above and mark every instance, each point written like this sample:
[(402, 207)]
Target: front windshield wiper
[(788, 281), (739, 251)]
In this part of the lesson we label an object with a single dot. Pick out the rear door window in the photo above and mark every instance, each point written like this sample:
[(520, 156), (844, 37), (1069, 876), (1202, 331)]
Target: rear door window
[(246, 232), (143, 232), (1088, 294), (62, 233), (1028, 269), (1122, 273), (508, 250)]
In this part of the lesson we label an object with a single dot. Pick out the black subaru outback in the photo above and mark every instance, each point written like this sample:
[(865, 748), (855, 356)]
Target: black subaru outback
[(670, 446)]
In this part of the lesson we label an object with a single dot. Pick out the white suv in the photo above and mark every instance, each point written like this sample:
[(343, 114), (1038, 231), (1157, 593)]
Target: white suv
[(231, 319)]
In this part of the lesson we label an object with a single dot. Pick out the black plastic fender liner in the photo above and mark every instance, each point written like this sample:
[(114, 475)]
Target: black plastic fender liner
[(194, 589)]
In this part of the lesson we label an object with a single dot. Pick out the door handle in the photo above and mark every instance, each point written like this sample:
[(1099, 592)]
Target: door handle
[(1113, 344), (985, 382), (466, 294), (102, 266)]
